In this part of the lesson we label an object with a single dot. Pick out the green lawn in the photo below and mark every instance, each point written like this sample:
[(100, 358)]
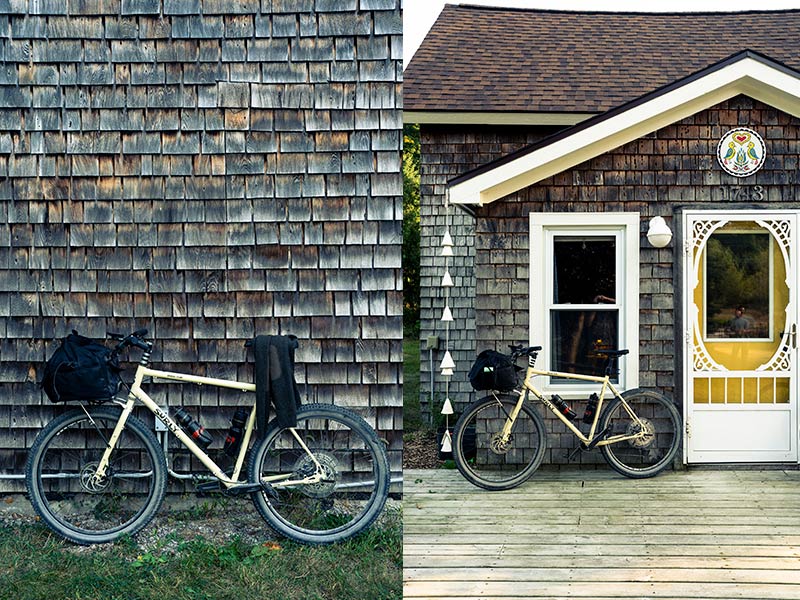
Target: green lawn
[(412, 420), (35, 565)]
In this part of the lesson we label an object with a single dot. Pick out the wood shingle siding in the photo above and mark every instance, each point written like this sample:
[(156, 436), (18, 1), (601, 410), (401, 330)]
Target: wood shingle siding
[(209, 170), (446, 153), (659, 174)]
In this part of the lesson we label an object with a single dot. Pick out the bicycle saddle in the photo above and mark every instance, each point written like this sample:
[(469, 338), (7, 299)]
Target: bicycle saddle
[(612, 353)]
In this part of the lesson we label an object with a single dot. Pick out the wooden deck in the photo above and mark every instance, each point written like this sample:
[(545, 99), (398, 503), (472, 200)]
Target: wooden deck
[(699, 534)]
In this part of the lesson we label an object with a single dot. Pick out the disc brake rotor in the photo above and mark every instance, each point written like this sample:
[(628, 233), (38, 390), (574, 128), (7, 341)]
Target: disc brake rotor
[(497, 445), (88, 481), (305, 467)]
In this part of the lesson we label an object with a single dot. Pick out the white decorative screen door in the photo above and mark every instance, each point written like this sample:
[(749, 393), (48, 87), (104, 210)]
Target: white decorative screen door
[(740, 316)]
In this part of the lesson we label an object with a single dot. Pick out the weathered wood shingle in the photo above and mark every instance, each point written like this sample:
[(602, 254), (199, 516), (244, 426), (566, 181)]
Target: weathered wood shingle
[(191, 167)]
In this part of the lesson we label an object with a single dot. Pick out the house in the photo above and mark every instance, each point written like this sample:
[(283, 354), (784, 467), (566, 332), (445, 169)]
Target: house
[(208, 170), (560, 136)]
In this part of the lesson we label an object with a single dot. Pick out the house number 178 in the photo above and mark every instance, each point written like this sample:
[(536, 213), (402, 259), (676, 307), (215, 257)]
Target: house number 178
[(736, 193)]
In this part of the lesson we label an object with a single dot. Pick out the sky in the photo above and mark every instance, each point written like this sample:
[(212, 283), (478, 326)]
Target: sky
[(419, 15)]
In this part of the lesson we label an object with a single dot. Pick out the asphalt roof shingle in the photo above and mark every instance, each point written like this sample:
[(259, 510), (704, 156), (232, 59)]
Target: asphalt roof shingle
[(478, 58)]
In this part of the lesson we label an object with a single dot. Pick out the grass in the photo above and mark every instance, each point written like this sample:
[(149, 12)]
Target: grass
[(412, 419), (36, 565)]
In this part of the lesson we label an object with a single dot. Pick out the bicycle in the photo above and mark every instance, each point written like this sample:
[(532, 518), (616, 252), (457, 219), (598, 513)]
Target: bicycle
[(96, 473), (500, 440)]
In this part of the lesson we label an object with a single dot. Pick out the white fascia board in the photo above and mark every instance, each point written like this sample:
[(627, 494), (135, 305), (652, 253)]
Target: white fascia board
[(494, 118), (748, 76)]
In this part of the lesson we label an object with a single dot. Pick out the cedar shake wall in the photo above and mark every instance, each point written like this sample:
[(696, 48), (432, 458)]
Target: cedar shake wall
[(446, 153), (673, 168), (209, 170)]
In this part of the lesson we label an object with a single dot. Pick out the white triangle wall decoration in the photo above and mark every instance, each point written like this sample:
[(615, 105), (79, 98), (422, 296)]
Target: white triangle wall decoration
[(447, 361), (447, 281), (447, 409), (447, 445)]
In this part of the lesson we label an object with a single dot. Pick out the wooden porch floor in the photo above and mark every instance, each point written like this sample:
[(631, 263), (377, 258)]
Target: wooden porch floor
[(699, 534)]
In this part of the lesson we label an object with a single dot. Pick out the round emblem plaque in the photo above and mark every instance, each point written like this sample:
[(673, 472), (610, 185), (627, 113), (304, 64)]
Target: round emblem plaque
[(741, 152)]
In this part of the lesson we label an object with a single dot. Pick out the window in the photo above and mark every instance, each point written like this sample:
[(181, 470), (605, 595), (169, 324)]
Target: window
[(584, 294)]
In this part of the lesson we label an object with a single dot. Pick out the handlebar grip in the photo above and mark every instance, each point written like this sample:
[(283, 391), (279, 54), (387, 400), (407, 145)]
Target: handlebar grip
[(140, 333), (139, 344)]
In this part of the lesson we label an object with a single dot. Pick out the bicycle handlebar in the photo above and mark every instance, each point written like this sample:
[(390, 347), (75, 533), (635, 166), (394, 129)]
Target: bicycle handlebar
[(520, 350), (134, 339)]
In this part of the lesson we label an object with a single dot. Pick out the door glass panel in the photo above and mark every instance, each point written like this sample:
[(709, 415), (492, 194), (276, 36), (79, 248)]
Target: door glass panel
[(585, 270), (577, 335), (738, 291), (741, 298)]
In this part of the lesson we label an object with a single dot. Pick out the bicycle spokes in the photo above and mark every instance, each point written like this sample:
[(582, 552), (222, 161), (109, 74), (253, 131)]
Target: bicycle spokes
[(68, 493), (333, 475), (492, 455)]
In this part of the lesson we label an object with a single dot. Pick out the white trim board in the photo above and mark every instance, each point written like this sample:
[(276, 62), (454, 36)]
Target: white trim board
[(751, 76)]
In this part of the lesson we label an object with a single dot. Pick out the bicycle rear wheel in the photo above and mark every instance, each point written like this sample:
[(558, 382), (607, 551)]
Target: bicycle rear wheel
[(658, 421), (483, 459), (65, 456), (352, 492)]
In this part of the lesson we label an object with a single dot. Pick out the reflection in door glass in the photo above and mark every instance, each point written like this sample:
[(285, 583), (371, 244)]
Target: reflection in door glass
[(738, 286)]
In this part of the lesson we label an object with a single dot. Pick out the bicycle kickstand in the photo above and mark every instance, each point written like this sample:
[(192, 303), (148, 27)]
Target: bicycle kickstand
[(574, 452), (590, 446)]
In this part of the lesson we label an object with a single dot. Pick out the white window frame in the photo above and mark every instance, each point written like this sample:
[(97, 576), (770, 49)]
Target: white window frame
[(625, 228)]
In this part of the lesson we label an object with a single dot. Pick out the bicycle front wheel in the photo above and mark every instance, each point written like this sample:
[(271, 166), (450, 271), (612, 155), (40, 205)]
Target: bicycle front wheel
[(480, 454), (60, 468), (655, 422), (355, 482)]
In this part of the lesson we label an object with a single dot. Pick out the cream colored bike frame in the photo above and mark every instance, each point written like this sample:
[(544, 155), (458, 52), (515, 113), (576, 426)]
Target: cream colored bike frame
[(587, 440), (276, 481)]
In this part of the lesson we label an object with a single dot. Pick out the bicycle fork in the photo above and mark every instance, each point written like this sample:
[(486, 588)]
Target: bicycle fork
[(505, 433), (100, 474)]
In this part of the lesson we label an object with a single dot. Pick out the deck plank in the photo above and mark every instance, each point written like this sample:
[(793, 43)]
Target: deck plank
[(700, 534)]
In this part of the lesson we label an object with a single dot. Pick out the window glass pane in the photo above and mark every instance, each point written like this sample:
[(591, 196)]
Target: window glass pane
[(585, 270), (576, 335)]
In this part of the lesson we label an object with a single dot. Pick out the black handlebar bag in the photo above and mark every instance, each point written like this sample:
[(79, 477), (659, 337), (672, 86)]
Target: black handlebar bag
[(81, 370)]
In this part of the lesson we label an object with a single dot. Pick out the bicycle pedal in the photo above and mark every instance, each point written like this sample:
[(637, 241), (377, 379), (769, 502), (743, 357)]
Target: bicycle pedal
[(245, 488), (208, 487)]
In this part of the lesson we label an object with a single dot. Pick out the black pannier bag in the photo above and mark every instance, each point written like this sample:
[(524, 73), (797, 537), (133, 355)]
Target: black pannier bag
[(81, 370), (493, 371)]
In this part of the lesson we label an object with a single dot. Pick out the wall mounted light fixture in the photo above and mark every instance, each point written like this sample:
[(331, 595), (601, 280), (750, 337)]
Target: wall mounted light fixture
[(659, 234)]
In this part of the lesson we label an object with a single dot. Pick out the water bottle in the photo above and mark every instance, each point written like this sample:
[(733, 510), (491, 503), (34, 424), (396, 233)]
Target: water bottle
[(563, 407), (234, 438), (193, 429), (591, 409)]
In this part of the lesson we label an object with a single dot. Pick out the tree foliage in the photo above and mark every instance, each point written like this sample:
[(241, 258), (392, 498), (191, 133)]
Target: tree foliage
[(411, 229)]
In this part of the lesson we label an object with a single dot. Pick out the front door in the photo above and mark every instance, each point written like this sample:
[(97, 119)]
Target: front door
[(740, 311)]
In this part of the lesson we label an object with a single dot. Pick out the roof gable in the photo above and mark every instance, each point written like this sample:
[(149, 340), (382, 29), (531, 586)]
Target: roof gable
[(747, 73), (508, 62)]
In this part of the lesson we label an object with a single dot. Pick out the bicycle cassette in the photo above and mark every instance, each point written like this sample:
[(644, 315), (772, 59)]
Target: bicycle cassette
[(305, 467)]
